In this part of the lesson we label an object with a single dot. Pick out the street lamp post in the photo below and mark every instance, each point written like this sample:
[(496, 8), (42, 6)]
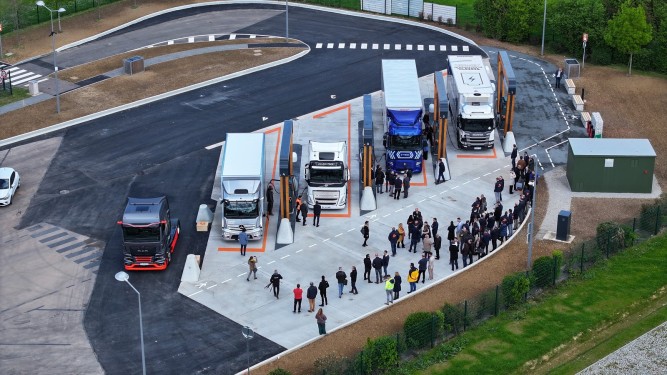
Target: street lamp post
[(544, 26), (123, 276), (53, 46), (286, 20), (248, 334)]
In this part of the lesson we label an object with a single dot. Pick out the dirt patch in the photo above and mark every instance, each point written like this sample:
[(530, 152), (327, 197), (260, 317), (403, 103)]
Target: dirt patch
[(95, 68), (157, 79), (588, 212)]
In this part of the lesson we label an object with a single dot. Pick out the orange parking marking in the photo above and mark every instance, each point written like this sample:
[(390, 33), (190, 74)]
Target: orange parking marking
[(278, 129), (424, 180), (349, 156), (478, 156)]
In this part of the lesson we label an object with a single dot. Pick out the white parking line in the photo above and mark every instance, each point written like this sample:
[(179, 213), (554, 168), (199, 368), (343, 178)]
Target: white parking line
[(443, 48), (386, 215), (410, 205), (387, 46), (353, 45), (408, 47), (243, 274), (350, 230), (397, 47), (326, 239), (421, 201), (197, 292), (431, 47), (400, 209), (313, 245), (375, 46), (476, 178), (341, 45), (318, 45), (330, 45), (432, 196), (465, 183), (339, 234), (497, 170), (375, 220), (364, 45), (212, 286), (227, 280), (455, 48), (420, 47), (283, 257), (298, 251), (273, 261)]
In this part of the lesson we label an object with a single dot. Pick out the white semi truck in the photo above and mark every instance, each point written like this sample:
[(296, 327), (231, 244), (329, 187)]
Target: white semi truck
[(242, 183), (327, 174), (471, 93)]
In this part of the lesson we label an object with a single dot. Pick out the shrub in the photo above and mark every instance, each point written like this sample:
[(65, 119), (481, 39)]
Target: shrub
[(280, 371), (439, 19), (543, 271), (450, 22), (610, 236), (650, 217), (453, 318), (378, 356), (558, 256), (515, 286), (421, 327)]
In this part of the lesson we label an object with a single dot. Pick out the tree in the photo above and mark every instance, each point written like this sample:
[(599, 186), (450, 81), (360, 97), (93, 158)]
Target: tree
[(628, 31), (569, 19)]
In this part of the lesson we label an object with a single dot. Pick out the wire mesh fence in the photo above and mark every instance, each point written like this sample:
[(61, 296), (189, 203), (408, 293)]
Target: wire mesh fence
[(424, 330)]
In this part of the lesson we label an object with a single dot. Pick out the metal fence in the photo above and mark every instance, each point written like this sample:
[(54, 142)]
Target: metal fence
[(21, 14), (453, 319)]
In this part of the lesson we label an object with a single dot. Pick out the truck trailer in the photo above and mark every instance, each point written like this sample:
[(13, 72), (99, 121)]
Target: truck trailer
[(471, 93), (402, 116), (149, 234), (327, 174), (242, 185)]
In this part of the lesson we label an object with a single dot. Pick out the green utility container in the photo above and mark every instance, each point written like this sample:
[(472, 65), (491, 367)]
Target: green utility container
[(610, 165)]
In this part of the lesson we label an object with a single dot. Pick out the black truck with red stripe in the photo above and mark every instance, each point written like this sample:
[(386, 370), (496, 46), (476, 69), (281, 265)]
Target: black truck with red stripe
[(149, 234)]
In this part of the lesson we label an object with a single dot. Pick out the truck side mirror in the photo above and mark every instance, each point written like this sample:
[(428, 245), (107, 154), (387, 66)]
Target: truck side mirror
[(306, 174)]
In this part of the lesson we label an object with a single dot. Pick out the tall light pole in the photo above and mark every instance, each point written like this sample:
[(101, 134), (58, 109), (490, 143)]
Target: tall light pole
[(544, 26), (248, 334), (286, 20), (123, 276), (53, 46)]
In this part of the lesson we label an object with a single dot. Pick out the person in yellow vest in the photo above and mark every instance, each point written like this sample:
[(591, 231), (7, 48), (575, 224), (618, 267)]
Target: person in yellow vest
[(413, 277), (389, 289)]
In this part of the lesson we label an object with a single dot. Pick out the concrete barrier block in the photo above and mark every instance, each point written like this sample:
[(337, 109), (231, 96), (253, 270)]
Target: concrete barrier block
[(508, 142), (368, 200), (285, 234), (191, 270)]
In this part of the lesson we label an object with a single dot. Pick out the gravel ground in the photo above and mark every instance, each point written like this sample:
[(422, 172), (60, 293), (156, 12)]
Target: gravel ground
[(646, 355)]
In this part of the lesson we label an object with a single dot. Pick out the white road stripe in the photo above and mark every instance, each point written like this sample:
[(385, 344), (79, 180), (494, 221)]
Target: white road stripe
[(197, 292), (353, 45), (326, 239), (454, 48), (410, 205), (211, 38), (443, 48), (397, 47), (191, 39), (386, 215), (211, 147), (273, 261), (496, 170), (31, 78), (350, 230), (364, 45), (170, 42), (465, 48), (465, 183), (298, 251), (232, 36), (339, 234), (408, 47), (421, 200), (420, 47), (330, 45), (286, 256), (400, 209), (227, 280), (313, 245), (387, 46), (432, 196), (318, 45), (375, 46), (212, 286), (341, 45), (243, 274), (431, 47)]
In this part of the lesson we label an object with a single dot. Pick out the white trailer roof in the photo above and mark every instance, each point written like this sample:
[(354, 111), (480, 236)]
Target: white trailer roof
[(243, 155), (401, 84), (470, 74)]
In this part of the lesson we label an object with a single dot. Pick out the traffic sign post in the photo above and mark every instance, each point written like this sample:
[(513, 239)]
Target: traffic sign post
[(1, 54), (248, 334)]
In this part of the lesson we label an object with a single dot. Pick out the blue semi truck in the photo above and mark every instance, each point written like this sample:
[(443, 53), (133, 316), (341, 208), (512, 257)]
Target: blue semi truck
[(403, 111)]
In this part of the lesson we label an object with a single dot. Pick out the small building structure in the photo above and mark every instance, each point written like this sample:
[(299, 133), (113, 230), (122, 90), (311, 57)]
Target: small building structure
[(610, 165)]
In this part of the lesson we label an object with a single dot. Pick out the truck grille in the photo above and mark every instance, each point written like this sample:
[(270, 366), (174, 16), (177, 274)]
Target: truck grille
[(326, 197), (478, 140), (147, 259)]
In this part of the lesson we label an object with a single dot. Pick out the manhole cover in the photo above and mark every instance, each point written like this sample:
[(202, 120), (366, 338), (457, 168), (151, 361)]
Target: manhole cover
[(63, 192)]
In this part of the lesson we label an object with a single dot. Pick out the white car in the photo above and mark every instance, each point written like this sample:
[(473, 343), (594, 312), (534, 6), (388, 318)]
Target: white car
[(9, 183)]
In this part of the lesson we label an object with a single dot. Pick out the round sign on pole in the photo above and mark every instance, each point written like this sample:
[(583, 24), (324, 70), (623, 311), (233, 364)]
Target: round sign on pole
[(585, 37), (3, 75)]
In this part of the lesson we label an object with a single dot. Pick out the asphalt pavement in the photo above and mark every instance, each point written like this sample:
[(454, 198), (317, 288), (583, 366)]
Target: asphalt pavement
[(160, 149)]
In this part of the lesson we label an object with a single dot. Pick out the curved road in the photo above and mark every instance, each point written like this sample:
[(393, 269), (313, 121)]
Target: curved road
[(159, 149)]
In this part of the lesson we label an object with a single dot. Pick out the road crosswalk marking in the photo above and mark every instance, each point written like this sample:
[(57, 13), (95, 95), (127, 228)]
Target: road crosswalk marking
[(21, 76)]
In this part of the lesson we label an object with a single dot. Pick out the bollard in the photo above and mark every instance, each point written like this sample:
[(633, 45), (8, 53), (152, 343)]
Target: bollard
[(582, 93)]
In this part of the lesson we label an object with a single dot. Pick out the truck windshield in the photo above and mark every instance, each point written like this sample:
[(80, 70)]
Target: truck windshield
[(241, 209), (476, 125), (141, 234), (326, 175), (400, 142)]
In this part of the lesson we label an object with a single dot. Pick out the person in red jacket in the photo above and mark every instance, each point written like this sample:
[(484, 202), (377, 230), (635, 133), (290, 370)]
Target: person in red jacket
[(298, 294)]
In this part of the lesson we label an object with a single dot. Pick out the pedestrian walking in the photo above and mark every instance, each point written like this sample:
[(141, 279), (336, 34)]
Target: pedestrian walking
[(367, 268), (389, 289), (311, 294), (406, 186), (269, 199), (390, 180), (304, 212), (321, 321), (434, 226), (252, 267), (454, 254), (514, 154), (559, 76), (393, 239), (401, 236), (385, 262), (324, 284), (423, 265), (431, 265), (441, 172), (377, 266), (415, 236), (317, 211), (437, 244), (298, 294), (353, 280), (341, 278), (365, 232), (275, 282), (379, 180), (398, 185), (450, 231), (413, 278), (397, 284), (427, 243), (243, 240)]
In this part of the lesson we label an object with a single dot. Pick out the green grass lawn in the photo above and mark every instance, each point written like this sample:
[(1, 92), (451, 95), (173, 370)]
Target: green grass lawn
[(629, 285), (19, 94)]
